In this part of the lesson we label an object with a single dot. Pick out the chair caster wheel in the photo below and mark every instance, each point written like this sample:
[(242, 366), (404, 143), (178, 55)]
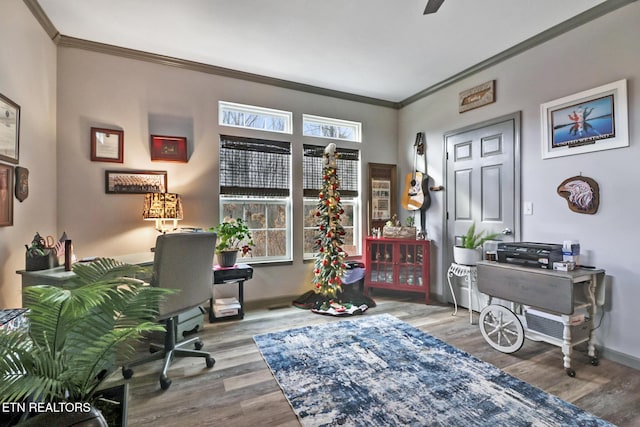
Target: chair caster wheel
[(198, 345), (210, 362), (127, 373), (570, 372), (595, 361), (164, 382)]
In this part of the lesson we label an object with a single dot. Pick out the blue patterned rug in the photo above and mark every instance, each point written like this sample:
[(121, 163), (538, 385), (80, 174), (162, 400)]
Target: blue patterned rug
[(380, 371)]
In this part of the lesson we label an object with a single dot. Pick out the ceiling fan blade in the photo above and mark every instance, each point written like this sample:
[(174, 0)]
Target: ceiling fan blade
[(432, 6)]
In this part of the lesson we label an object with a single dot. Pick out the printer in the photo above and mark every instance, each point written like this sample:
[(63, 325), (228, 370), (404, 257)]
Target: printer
[(530, 254)]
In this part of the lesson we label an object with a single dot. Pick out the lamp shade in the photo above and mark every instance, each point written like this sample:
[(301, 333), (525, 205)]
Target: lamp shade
[(162, 206)]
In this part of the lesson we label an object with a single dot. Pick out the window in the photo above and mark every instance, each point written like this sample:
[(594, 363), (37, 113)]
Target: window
[(252, 117), (255, 182), (324, 127), (348, 170)]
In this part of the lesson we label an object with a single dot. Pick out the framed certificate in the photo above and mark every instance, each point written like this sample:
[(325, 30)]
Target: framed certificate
[(107, 145)]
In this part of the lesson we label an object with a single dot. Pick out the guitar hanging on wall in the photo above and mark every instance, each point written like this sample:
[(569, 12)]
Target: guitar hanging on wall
[(413, 197), (427, 197)]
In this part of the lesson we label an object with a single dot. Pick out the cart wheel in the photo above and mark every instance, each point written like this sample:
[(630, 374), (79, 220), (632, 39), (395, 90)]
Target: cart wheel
[(595, 361), (127, 373), (501, 328), (570, 372)]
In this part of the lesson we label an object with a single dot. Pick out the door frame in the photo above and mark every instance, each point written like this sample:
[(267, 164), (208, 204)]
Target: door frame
[(517, 182)]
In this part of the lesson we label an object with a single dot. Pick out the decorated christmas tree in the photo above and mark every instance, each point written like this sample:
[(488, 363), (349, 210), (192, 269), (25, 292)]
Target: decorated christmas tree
[(329, 264)]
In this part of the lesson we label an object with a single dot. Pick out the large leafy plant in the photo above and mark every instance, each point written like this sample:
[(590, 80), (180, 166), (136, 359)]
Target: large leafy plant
[(473, 240), (77, 333)]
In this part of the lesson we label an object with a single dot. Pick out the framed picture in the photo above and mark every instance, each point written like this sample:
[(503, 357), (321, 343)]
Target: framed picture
[(135, 182), (477, 96), (9, 130), (588, 121), (107, 145), (6, 195), (168, 148)]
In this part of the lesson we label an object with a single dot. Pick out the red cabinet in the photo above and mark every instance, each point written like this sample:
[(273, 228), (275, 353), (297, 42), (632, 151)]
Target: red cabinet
[(398, 264)]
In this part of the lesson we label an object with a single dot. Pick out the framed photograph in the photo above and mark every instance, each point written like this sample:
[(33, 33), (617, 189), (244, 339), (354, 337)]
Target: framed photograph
[(6, 195), (168, 148), (9, 130), (588, 121), (107, 145), (136, 182), (477, 96), (380, 199)]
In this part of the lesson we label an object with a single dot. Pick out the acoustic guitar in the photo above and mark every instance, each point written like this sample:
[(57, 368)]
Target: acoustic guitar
[(413, 195)]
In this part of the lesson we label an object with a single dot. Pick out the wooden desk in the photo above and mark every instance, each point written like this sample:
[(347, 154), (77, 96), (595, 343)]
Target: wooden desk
[(58, 276)]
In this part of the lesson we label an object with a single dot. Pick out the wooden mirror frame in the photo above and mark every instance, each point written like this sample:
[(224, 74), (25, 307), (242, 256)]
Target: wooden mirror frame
[(381, 172)]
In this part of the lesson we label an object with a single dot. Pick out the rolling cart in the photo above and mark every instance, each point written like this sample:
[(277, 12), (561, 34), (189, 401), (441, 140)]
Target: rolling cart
[(557, 307)]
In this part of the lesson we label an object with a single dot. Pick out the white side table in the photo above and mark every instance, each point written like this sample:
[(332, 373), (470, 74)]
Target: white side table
[(470, 273)]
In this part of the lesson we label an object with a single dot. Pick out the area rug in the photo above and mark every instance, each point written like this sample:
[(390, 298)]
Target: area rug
[(380, 371)]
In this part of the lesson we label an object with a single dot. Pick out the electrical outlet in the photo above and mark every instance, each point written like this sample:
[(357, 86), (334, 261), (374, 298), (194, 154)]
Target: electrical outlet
[(528, 208)]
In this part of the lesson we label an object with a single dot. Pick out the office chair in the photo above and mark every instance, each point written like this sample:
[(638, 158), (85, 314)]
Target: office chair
[(182, 261)]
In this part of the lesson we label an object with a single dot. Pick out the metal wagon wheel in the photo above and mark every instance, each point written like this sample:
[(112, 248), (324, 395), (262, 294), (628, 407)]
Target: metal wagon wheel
[(501, 328)]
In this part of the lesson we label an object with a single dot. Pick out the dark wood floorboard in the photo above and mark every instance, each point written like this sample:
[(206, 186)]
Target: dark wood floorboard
[(239, 391)]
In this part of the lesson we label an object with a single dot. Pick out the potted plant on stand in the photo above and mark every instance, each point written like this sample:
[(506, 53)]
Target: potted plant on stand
[(76, 337), (470, 251), (233, 236)]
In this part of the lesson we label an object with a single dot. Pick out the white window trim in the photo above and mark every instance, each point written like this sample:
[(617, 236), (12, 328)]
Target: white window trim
[(267, 200), (356, 126), (252, 109)]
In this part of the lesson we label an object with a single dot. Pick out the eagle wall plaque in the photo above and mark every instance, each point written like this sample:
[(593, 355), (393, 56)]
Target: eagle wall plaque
[(582, 194)]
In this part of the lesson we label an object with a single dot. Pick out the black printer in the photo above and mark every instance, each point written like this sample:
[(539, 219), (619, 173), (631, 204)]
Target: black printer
[(530, 254)]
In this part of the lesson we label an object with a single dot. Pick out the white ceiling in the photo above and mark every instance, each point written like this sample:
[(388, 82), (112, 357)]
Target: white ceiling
[(383, 49)]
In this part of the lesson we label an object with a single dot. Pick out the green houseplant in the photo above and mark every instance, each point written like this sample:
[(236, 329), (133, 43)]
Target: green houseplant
[(76, 335), (233, 236), (469, 252)]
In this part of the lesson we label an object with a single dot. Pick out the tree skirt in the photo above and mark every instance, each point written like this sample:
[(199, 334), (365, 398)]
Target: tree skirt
[(348, 302)]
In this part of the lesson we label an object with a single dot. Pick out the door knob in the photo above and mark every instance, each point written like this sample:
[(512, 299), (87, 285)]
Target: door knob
[(507, 231)]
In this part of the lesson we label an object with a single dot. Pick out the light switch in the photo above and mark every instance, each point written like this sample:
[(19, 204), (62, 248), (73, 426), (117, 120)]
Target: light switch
[(528, 208)]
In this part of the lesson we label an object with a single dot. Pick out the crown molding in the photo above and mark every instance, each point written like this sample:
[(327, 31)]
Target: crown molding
[(555, 31)]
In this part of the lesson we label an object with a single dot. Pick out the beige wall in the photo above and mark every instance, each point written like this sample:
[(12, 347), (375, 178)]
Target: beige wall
[(603, 51), (28, 77), (143, 98)]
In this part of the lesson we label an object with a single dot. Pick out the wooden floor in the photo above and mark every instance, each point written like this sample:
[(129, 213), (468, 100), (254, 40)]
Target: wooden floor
[(240, 390)]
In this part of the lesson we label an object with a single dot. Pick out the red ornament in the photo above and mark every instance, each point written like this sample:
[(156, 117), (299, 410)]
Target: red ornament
[(321, 195)]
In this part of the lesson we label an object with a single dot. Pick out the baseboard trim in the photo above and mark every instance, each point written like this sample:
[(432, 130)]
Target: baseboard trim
[(621, 358)]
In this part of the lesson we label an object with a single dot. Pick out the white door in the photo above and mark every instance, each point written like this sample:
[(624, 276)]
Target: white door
[(483, 185)]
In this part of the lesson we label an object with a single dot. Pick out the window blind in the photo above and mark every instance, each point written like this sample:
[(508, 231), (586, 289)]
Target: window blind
[(254, 167), (347, 165)]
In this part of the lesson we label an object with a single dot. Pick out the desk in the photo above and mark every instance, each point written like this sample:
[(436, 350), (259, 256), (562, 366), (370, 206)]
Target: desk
[(58, 276)]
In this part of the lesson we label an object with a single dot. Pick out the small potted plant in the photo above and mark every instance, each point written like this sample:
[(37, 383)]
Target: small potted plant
[(469, 252), (233, 236)]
